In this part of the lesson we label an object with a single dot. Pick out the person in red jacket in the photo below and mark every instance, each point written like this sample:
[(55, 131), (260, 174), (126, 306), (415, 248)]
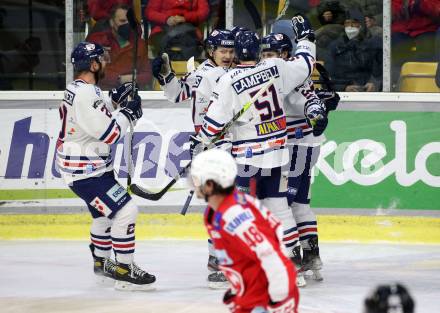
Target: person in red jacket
[(414, 24), (247, 239), (116, 36), (166, 15), (101, 9)]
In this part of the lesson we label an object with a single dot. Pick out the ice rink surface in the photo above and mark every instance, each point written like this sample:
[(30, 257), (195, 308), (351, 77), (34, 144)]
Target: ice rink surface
[(57, 276)]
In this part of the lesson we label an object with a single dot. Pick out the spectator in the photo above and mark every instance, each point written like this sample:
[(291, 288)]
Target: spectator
[(175, 23), (413, 31), (331, 16), (437, 52), (373, 30), (367, 7), (355, 62), (116, 36), (101, 9), (389, 298), (331, 12)]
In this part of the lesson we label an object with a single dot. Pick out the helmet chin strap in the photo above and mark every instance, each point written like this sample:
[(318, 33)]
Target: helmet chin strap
[(96, 73), (212, 57)]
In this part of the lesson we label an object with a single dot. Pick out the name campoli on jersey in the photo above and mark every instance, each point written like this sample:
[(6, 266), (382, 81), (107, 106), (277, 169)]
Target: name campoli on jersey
[(270, 127), (256, 79), (232, 225)]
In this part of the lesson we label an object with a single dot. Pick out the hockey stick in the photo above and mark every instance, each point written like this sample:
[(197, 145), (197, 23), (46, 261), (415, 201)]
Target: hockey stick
[(332, 99), (282, 8), (187, 202), (132, 21), (146, 194), (325, 76)]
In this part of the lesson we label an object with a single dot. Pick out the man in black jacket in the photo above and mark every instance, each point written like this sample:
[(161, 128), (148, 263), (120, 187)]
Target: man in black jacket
[(355, 62)]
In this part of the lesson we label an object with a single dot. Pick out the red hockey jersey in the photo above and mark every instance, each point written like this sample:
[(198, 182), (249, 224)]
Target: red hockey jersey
[(248, 244)]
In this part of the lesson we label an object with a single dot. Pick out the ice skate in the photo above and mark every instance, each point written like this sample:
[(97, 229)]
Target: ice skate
[(297, 260), (217, 280), (311, 262), (213, 264), (132, 278), (104, 268)]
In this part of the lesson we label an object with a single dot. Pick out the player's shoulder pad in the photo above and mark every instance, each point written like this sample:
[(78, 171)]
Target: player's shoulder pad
[(88, 93), (237, 217)]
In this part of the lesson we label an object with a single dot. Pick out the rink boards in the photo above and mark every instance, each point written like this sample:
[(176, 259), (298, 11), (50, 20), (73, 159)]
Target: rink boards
[(382, 158)]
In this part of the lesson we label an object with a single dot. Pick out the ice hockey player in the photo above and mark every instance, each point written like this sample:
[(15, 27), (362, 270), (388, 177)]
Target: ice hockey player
[(247, 238), (84, 161), (197, 86), (300, 105), (259, 135), (389, 298)]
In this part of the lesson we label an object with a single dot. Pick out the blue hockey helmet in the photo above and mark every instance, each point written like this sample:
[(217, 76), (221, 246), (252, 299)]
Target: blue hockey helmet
[(220, 38), (83, 55), (276, 42), (247, 46), (237, 29)]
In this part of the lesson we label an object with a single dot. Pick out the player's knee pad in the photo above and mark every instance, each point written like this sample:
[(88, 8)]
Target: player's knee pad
[(100, 236), (122, 232)]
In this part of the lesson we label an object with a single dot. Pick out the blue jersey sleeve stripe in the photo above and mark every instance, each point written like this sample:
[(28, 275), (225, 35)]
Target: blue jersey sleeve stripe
[(211, 121), (109, 129), (306, 58)]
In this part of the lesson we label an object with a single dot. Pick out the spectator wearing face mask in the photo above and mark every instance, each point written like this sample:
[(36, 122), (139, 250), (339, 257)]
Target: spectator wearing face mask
[(116, 36), (355, 62)]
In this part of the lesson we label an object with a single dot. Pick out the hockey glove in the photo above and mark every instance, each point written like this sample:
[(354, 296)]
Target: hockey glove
[(161, 68), (133, 110), (316, 116), (302, 28), (196, 145), (120, 95), (286, 306), (330, 99)]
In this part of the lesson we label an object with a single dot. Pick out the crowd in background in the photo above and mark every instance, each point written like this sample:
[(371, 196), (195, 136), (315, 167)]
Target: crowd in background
[(348, 36)]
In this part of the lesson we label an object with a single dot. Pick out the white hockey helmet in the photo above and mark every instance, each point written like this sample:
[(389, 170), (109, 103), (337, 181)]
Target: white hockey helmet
[(216, 165)]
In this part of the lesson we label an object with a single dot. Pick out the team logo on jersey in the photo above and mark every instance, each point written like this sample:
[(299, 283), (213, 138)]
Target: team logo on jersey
[(248, 154), (89, 168), (292, 191), (217, 221), (197, 82), (97, 103), (98, 91), (256, 79), (244, 216), (98, 204), (69, 96), (270, 127), (116, 192)]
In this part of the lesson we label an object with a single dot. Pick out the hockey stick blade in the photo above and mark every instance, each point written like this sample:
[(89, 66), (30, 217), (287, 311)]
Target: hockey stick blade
[(146, 194)]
